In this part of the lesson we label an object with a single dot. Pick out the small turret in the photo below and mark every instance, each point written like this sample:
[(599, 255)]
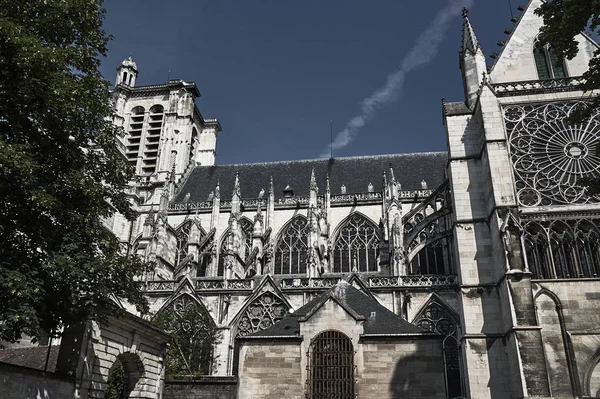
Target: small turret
[(127, 73), (472, 61)]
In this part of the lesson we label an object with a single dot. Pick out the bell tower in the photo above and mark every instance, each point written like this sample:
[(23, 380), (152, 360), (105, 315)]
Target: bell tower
[(127, 73)]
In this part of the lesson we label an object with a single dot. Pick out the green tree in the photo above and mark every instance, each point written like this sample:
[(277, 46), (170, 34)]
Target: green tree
[(61, 173), (563, 21)]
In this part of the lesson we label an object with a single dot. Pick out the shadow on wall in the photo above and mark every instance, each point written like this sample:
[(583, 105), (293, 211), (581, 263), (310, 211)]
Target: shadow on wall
[(420, 374)]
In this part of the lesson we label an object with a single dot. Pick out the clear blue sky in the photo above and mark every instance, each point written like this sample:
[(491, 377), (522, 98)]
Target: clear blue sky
[(275, 72)]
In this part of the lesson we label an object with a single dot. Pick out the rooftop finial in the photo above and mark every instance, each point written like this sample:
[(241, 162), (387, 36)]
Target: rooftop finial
[(469, 40), (236, 187), (313, 180)]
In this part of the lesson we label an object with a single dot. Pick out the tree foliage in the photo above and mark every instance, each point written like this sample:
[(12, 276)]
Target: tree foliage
[(194, 335), (563, 21), (61, 173)]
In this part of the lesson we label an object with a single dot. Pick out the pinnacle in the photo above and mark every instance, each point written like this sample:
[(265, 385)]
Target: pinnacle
[(469, 39)]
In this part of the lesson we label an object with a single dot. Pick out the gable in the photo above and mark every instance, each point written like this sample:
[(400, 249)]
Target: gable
[(516, 63)]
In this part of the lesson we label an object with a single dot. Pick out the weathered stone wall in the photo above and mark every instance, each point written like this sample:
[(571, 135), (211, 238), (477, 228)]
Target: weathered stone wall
[(571, 309), (412, 368), (272, 370), (25, 383), (205, 387)]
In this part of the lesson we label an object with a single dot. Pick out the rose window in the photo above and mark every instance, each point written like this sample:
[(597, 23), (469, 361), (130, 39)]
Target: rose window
[(550, 156)]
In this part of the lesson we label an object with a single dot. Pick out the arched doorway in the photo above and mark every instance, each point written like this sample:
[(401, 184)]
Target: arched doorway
[(124, 377)]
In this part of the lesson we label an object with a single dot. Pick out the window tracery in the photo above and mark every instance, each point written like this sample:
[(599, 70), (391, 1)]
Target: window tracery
[(563, 249), (247, 229), (331, 372), (549, 155), (291, 252), (436, 318), (261, 314), (356, 246), (428, 235), (194, 333)]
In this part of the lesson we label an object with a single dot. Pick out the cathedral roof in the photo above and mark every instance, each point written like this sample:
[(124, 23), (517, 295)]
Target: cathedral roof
[(378, 320), (355, 173)]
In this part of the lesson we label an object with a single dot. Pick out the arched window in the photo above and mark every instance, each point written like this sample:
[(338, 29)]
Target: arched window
[(136, 124), (247, 230), (259, 315), (563, 249), (548, 65), (155, 123), (193, 146), (436, 318), (291, 252), (331, 360), (194, 335), (356, 246)]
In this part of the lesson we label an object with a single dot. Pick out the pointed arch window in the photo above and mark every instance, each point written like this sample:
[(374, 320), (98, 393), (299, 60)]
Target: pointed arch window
[(436, 318), (331, 362), (563, 249), (547, 63), (247, 230), (291, 252), (356, 246), (259, 315), (194, 334)]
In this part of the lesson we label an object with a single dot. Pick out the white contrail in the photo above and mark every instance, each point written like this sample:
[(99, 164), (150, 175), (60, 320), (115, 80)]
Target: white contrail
[(422, 52)]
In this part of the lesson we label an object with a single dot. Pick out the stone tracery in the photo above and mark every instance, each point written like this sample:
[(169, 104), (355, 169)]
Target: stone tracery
[(291, 252), (261, 314), (563, 249), (356, 245), (550, 155)]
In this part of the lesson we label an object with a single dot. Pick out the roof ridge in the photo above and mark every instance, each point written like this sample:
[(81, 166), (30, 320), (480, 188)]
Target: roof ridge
[(327, 159)]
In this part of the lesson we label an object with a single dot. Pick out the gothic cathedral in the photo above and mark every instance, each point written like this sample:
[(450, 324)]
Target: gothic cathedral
[(473, 272)]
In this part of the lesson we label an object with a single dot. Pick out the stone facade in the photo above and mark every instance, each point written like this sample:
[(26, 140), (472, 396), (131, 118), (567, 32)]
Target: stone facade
[(492, 246)]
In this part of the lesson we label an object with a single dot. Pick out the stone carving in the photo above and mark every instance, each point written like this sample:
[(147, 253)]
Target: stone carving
[(261, 314)]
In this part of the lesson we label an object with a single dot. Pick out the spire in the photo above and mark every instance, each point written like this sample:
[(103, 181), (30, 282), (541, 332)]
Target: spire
[(327, 188), (313, 181), (218, 190), (271, 188), (469, 40), (472, 62)]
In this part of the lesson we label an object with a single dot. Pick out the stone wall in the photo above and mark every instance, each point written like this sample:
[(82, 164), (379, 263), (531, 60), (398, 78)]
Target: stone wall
[(272, 370), (204, 387), (25, 383), (412, 368)]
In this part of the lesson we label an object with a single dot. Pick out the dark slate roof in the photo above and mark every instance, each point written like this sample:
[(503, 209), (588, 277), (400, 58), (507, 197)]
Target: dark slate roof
[(354, 172), (378, 320), (33, 357), (457, 108)]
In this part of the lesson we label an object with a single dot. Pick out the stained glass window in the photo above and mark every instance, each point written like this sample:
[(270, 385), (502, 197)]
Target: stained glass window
[(291, 252), (356, 246)]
